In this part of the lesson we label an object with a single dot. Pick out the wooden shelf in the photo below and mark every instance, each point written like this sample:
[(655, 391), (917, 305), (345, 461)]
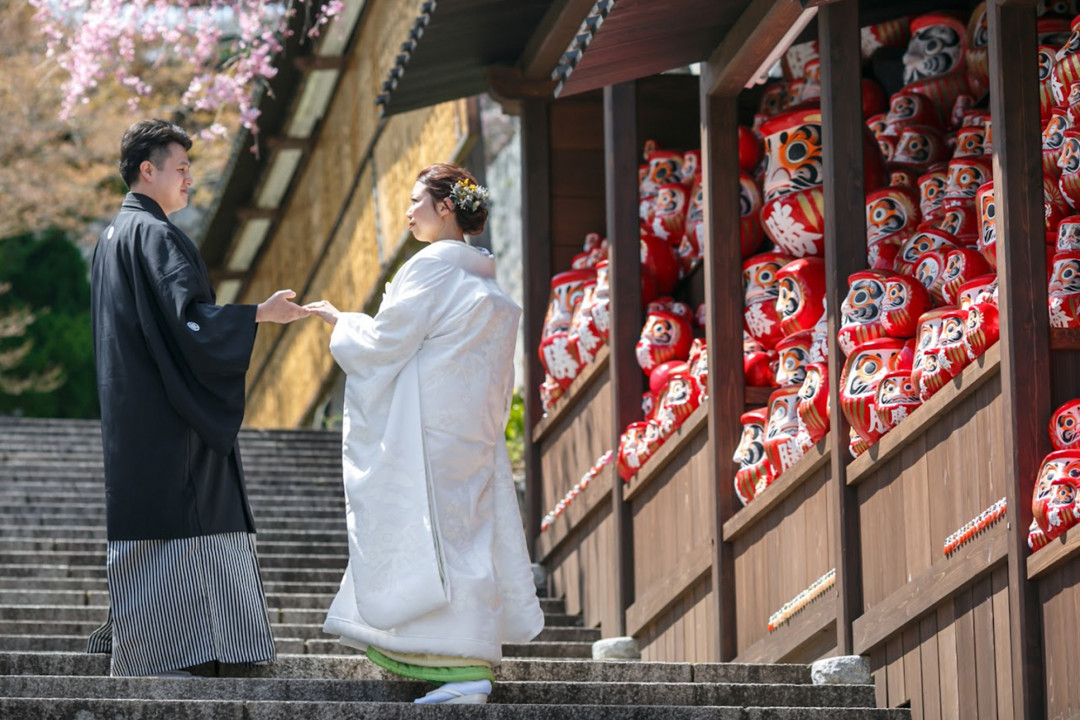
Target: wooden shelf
[(818, 617), (1054, 555), (569, 399), (594, 496), (922, 594), (774, 494), (974, 375), (1065, 338), (696, 423)]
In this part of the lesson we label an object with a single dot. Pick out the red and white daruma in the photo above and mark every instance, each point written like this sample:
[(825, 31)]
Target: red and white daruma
[(981, 328), (977, 289), (923, 241), (961, 266), (926, 343), (954, 355), (987, 206), (897, 397), (1064, 290), (567, 291), (931, 186), (758, 363), (781, 432), (667, 334), (760, 291), (801, 294), (1053, 502), (755, 472), (813, 404), (793, 354), (669, 212), (863, 370), (679, 399), (628, 459), (1065, 426)]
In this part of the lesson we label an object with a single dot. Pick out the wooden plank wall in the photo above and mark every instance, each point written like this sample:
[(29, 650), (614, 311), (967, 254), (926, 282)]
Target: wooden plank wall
[(1059, 595), (571, 447), (954, 662), (920, 496), (672, 542), (778, 557)]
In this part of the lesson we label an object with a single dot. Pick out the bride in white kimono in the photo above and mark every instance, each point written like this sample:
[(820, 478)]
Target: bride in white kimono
[(438, 575)]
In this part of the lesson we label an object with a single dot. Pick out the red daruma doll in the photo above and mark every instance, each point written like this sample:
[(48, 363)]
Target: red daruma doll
[(755, 472)]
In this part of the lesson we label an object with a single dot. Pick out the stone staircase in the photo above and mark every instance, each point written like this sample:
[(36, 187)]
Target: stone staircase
[(53, 594)]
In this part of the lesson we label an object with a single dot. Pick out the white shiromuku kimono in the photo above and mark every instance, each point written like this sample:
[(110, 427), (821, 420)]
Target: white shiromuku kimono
[(437, 557)]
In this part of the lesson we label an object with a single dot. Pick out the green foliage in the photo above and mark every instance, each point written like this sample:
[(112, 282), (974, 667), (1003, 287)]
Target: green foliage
[(515, 432), (48, 274)]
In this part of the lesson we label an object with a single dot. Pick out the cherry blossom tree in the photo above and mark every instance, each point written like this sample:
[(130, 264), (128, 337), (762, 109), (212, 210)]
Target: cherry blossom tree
[(226, 47)]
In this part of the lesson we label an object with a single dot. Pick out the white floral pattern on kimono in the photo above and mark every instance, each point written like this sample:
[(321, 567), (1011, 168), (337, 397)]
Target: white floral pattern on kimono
[(437, 555)]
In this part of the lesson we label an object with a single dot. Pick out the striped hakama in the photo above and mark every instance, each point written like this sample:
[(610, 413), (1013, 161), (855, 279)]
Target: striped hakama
[(179, 603)]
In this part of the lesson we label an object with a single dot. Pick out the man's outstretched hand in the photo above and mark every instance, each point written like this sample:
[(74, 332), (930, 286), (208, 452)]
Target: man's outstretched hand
[(277, 308)]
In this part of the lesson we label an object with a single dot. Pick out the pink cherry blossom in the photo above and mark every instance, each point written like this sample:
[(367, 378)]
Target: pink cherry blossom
[(227, 46)]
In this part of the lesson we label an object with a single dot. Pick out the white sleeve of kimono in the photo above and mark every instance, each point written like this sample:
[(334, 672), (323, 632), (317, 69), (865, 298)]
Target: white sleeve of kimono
[(364, 346)]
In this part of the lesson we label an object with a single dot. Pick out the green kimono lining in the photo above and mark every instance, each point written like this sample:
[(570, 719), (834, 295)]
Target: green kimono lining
[(431, 674)]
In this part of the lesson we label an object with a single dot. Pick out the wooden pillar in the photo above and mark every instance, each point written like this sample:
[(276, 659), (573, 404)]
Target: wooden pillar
[(723, 331), (845, 252), (621, 150), (1025, 325), (536, 262)]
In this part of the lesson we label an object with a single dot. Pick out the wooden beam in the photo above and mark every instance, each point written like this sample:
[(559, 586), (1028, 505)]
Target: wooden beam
[(845, 252), (554, 34), (722, 258), (508, 87), (536, 268), (1025, 351), (765, 29), (925, 592), (282, 142), (621, 150), (1051, 557)]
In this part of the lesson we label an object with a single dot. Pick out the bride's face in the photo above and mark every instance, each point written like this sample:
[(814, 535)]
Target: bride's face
[(427, 216)]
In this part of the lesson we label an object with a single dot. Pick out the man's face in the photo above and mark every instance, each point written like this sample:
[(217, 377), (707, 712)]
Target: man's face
[(168, 185)]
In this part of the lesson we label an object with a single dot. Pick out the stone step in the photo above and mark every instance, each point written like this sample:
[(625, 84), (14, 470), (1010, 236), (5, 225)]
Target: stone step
[(97, 546), (357, 667), (87, 512), (263, 521), (335, 560), (296, 574), (61, 624), (97, 533), (401, 691), (108, 709), (51, 488), (52, 642), (31, 596)]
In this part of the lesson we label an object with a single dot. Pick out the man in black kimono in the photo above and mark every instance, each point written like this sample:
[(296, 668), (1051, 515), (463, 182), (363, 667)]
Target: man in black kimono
[(183, 576)]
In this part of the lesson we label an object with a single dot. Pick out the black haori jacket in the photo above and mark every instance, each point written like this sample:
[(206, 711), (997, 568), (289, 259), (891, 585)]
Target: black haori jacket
[(170, 373)]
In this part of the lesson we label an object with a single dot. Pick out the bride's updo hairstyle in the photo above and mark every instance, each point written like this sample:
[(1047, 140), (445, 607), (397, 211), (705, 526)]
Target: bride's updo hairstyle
[(469, 198)]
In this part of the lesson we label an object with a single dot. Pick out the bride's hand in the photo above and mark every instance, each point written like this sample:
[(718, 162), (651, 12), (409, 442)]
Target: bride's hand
[(324, 310)]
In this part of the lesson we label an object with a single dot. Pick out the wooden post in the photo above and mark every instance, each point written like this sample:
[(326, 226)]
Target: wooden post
[(845, 252), (536, 262), (621, 150), (723, 331), (1025, 325)]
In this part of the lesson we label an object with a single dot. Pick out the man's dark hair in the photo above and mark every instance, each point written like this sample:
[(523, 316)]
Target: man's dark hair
[(148, 140)]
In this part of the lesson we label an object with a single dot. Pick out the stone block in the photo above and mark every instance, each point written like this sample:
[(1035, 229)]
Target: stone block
[(617, 648), (843, 670)]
